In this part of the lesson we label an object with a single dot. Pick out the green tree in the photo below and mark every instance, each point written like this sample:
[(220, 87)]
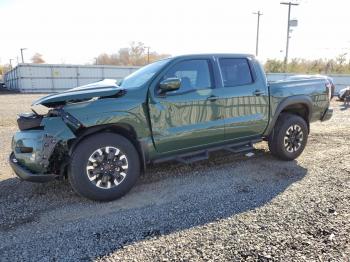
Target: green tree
[(340, 65), (274, 66)]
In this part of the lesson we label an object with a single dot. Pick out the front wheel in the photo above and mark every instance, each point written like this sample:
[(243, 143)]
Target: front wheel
[(289, 137), (104, 167)]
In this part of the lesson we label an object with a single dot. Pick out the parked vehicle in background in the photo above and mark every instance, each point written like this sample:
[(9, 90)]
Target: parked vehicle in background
[(342, 93), (329, 79), (103, 135)]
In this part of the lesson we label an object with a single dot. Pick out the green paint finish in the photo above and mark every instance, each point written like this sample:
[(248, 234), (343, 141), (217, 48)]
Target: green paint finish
[(245, 107), (185, 121), (99, 89), (34, 139), (314, 89), (180, 121), (127, 110), (55, 127)]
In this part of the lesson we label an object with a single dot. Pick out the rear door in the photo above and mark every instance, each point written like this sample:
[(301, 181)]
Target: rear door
[(244, 100), (188, 117)]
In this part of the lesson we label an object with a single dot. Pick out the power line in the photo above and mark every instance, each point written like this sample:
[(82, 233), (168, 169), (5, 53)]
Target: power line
[(257, 32)]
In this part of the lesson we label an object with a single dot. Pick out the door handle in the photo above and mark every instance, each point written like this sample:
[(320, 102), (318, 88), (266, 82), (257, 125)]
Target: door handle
[(212, 98), (258, 92)]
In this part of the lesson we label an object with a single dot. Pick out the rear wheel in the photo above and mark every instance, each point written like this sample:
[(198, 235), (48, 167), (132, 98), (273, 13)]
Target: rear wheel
[(104, 167), (289, 137)]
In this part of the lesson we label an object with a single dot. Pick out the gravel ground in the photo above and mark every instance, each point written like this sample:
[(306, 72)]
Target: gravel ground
[(229, 208)]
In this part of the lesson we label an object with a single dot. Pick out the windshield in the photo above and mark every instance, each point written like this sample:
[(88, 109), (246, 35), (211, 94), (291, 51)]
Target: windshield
[(141, 76)]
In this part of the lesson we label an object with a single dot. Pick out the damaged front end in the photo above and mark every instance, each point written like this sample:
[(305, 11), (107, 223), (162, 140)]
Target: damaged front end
[(39, 153), (40, 150)]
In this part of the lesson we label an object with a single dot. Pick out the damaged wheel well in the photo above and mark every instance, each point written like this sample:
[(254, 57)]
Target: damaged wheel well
[(122, 129)]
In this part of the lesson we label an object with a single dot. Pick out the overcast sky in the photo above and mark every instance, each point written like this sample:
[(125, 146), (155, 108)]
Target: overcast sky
[(76, 31)]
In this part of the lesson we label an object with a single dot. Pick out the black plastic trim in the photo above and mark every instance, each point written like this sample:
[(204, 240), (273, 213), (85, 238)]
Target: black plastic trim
[(300, 99), (235, 147), (67, 118), (327, 114)]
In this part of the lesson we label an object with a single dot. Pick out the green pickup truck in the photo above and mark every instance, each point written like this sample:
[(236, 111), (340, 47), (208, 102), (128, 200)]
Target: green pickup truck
[(103, 135)]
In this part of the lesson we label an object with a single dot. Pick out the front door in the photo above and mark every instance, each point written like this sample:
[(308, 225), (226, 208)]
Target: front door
[(188, 117)]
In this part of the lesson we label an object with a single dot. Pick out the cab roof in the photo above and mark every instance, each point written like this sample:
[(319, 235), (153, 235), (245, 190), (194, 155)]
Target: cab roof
[(215, 55)]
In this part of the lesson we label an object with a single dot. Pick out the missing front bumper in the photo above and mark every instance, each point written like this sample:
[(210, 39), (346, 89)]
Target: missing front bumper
[(42, 151), (27, 175)]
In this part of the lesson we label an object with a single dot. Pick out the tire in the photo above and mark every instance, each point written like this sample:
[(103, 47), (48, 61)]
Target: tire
[(289, 137), (99, 172)]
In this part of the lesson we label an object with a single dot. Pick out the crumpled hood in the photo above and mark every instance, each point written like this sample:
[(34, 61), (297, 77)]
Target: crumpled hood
[(104, 88)]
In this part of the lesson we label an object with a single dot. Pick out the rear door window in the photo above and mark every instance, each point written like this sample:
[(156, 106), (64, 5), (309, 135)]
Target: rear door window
[(235, 72)]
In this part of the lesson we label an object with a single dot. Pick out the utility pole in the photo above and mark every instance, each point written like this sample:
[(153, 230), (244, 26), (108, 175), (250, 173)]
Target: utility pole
[(148, 54), (257, 32), (288, 31), (11, 62), (22, 49)]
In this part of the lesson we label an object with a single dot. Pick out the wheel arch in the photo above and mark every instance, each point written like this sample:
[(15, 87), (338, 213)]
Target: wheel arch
[(297, 105), (123, 129)]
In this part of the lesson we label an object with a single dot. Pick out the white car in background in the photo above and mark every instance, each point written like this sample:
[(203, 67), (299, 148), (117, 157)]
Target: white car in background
[(342, 93)]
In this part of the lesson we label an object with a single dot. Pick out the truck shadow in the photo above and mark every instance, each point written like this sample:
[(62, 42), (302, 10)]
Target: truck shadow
[(168, 198), (344, 106)]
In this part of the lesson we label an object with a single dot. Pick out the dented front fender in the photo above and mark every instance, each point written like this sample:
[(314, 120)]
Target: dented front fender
[(33, 148)]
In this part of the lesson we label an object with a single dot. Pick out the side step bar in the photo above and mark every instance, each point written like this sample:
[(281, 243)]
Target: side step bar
[(241, 149), (192, 157)]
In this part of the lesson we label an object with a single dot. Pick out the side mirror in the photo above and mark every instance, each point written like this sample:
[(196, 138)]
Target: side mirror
[(170, 84)]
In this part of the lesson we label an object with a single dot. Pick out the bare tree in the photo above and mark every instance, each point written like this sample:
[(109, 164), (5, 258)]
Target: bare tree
[(103, 59), (124, 56), (37, 59), (135, 55)]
